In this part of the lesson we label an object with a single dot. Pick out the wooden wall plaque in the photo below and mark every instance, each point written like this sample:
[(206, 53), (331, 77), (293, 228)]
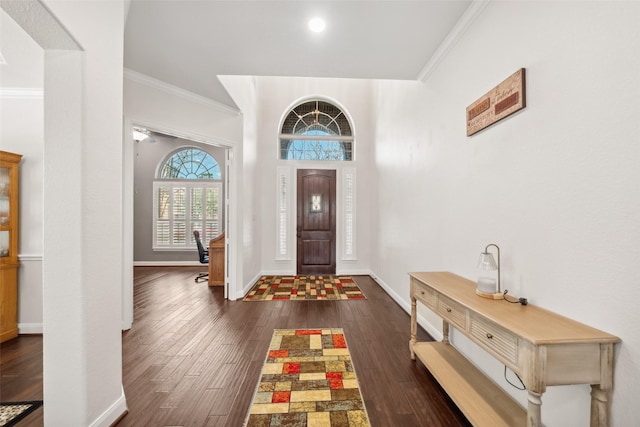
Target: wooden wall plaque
[(500, 102)]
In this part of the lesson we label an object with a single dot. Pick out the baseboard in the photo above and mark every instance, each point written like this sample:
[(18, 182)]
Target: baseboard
[(247, 287), (114, 413), (30, 328), (436, 333), (276, 273), (30, 257), (353, 273), (166, 263)]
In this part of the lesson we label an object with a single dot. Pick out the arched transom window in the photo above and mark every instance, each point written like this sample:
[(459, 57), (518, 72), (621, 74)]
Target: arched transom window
[(187, 195), (316, 130), (190, 163)]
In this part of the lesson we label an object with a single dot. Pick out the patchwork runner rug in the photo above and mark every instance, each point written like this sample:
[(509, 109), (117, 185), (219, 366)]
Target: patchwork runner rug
[(273, 288), (12, 412), (308, 379)]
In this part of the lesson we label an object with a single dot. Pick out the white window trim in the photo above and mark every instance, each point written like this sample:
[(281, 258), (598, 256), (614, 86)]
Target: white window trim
[(188, 184)]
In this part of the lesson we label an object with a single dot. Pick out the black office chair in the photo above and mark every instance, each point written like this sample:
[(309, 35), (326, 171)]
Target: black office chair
[(203, 254)]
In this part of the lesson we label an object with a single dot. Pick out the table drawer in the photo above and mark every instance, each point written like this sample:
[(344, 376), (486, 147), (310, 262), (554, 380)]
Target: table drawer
[(452, 312), (495, 339), (423, 293)]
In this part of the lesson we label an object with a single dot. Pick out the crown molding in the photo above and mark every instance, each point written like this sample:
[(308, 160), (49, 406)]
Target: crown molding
[(468, 18), (21, 93), (174, 90)]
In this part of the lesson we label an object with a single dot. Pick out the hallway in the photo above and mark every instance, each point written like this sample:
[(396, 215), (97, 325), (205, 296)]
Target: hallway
[(193, 359)]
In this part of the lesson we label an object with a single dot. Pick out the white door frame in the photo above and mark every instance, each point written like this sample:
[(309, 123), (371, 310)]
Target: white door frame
[(230, 191)]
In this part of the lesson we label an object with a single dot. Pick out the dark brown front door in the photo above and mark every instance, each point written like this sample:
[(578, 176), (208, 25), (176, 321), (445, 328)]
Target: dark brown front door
[(316, 230)]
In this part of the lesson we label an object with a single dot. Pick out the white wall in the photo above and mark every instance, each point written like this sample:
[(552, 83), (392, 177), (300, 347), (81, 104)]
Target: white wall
[(556, 185), (82, 248), (243, 90), (22, 132), (162, 106), (276, 96)]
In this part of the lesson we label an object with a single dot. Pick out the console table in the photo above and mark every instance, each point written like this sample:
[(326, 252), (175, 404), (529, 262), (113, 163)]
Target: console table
[(542, 347)]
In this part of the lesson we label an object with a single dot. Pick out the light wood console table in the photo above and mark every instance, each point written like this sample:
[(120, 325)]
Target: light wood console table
[(542, 347)]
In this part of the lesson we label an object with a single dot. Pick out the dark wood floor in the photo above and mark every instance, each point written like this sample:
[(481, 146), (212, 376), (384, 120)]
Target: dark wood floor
[(194, 359), (21, 374)]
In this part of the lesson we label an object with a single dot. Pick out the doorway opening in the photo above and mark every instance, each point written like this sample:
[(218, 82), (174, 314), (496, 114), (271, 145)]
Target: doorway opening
[(155, 200)]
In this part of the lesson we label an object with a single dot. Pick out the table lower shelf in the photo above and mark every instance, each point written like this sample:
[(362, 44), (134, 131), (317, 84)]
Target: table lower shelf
[(482, 401)]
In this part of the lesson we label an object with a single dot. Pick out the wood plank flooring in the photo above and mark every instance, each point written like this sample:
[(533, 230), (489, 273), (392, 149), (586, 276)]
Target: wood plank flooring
[(194, 359), (21, 374)]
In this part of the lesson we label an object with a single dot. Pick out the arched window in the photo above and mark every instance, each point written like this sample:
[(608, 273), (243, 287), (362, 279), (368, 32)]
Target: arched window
[(187, 196), (316, 130), (190, 163)]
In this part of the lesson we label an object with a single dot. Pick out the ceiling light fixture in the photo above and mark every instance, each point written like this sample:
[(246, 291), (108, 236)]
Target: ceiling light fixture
[(142, 134), (317, 25)]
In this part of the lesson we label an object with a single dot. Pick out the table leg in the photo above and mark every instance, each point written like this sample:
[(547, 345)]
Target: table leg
[(445, 332), (414, 328), (534, 417), (599, 406), (600, 392)]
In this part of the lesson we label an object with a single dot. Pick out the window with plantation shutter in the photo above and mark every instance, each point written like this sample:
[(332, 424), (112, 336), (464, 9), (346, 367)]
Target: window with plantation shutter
[(186, 197)]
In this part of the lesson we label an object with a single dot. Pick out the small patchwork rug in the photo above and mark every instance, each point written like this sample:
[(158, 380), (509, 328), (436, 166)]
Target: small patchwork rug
[(12, 412), (308, 379), (308, 288)]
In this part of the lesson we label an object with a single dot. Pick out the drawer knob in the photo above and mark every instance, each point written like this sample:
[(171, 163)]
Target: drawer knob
[(489, 335), (422, 292), (448, 310)]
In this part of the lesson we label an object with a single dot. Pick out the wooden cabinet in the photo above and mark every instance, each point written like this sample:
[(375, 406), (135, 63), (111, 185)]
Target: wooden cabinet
[(9, 245), (542, 347)]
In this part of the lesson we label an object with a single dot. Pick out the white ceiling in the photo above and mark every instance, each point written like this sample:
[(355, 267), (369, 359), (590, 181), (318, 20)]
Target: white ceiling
[(24, 66), (188, 43)]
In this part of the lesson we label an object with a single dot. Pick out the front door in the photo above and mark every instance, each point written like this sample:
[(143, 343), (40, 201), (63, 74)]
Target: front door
[(316, 229)]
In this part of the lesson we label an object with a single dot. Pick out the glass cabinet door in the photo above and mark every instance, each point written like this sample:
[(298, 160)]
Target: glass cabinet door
[(5, 214), (9, 264)]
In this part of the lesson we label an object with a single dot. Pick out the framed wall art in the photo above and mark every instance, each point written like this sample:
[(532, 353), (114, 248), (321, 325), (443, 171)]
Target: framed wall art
[(500, 102)]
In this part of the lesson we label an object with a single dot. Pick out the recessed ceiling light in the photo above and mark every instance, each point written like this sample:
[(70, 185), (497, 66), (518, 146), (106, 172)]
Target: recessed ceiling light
[(317, 25)]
